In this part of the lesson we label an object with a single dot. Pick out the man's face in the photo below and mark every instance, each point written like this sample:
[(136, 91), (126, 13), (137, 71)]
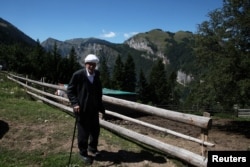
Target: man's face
[(90, 67)]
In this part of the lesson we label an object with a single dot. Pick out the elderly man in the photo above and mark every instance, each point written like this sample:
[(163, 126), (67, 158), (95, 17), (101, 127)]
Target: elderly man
[(85, 94)]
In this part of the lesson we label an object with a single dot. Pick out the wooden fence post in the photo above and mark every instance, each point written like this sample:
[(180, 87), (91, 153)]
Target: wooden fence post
[(204, 135), (26, 82), (43, 80)]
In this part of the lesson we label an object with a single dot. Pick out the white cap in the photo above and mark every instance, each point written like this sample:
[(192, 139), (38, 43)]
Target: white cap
[(91, 58)]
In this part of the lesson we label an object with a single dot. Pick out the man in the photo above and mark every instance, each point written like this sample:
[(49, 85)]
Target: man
[(85, 94)]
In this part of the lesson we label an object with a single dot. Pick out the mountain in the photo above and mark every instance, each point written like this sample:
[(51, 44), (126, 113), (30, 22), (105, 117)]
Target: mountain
[(103, 49), (156, 41), (9, 34), (144, 47), (151, 44)]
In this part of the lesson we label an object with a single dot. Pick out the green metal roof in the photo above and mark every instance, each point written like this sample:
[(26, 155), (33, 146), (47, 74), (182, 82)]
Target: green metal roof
[(106, 91)]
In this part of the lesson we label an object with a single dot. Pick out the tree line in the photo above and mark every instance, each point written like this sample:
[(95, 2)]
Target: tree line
[(37, 63), (158, 89)]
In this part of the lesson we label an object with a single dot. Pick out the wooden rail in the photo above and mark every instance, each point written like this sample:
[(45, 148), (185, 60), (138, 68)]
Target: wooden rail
[(161, 129), (243, 112), (203, 122), (199, 121)]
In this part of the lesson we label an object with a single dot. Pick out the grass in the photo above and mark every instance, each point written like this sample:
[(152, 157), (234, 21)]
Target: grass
[(231, 116), (39, 135), (26, 122)]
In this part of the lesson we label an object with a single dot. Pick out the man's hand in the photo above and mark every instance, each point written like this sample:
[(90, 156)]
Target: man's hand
[(76, 109), (102, 115)]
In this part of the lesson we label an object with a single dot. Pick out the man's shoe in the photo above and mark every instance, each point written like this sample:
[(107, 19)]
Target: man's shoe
[(87, 159), (94, 153)]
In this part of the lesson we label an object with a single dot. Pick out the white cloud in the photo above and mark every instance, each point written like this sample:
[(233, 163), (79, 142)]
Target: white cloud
[(128, 35), (110, 34)]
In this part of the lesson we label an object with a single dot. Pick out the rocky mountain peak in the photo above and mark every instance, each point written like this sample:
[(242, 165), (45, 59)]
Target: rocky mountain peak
[(140, 44)]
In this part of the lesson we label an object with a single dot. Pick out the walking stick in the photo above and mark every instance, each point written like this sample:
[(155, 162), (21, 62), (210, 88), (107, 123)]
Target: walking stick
[(72, 141)]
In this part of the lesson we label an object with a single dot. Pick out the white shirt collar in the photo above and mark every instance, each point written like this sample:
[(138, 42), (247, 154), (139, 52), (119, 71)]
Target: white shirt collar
[(90, 76)]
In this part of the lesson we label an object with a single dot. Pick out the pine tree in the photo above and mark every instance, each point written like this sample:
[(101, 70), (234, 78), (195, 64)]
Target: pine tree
[(105, 76), (53, 60), (73, 61), (118, 74), (38, 61), (130, 75), (158, 84), (143, 91), (63, 72)]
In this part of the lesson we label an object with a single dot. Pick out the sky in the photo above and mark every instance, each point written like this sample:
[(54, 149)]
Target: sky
[(111, 20)]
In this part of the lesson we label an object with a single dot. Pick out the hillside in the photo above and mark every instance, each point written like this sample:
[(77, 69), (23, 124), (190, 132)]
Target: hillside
[(145, 48), (103, 49), (156, 42), (9, 34)]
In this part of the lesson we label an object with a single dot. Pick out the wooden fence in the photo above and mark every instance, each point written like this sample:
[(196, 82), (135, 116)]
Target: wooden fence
[(243, 112), (204, 123)]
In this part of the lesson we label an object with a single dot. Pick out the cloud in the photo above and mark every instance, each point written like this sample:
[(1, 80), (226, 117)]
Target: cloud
[(110, 34), (128, 35)]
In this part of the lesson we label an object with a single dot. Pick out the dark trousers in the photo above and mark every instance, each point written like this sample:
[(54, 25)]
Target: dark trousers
[(88, 132)]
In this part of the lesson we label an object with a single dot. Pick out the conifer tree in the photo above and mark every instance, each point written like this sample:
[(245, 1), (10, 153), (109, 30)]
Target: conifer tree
[(67, 66), (38, 61), (143, 91), (73, 61), (53, 64), (174, 94), (73, 64), (130, 75), (118, 74), (105, 76), (63, 72), (158, 84)]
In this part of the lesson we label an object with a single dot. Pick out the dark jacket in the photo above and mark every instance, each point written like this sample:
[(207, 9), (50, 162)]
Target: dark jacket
[(79, 89)]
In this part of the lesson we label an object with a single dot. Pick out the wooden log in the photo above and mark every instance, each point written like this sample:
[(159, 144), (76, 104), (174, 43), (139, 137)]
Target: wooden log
[(182, 154), (243, 112), (40, 83), (160, 129), (200, 121), (39, 91), (243, 115), (65, 108), (204, 135)]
